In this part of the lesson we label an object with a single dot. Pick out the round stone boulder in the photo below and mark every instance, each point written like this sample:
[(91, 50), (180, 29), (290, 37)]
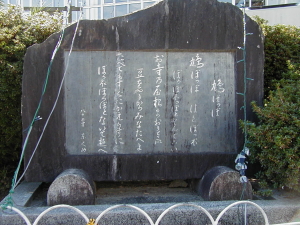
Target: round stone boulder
[(72, 187), (222, 183)]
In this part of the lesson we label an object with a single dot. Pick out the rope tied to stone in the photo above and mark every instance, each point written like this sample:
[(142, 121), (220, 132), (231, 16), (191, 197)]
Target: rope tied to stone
[(241, 159), (8, 201)]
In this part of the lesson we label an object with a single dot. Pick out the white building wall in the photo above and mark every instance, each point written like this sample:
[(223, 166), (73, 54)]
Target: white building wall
[(105, 9), (280, 15)]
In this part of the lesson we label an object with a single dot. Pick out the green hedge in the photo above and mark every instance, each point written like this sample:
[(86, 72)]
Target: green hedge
[(282, 45), (275, 140), (17, 32)]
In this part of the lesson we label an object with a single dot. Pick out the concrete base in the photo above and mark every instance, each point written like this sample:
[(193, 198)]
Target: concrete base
[(280, 210), (24, 193), (72, 187), (222, 183)]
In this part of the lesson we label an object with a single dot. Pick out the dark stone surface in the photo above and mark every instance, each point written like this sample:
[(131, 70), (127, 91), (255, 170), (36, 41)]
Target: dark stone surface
[(72, 187), (222, 183), (178, 26)]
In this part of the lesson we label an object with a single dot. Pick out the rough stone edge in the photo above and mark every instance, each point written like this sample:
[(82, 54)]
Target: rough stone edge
[(277, 212)]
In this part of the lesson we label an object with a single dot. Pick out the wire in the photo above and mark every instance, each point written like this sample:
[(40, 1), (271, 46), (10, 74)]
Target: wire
[(35, 117), (241, 158), (55, 103), (8, 200)]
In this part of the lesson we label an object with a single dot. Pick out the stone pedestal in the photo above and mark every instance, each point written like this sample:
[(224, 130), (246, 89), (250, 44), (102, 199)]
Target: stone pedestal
[(72, 187), (222, 183)]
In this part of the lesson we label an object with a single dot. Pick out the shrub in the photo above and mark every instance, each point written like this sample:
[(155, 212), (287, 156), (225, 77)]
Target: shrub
[(17, 32), (282, 44), (275, 142)]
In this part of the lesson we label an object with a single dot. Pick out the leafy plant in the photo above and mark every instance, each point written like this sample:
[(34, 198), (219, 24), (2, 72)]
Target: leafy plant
[(275, 141), (264, 193), (262, 189), (282, 44), (17, 32)]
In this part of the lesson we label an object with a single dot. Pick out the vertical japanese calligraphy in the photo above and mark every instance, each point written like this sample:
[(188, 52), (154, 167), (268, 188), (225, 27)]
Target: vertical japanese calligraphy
[(82, 138), (175, 107), (102, 92), (217, 89), (118, 128), (139, 105), (196, 65), (158, 97)]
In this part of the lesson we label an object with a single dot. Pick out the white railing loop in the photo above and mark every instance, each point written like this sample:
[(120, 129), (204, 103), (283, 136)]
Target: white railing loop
[(243, 202), (119, 206), (184, 204)]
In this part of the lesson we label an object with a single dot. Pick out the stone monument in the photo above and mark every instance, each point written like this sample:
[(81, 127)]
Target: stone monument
[(147, 96)]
